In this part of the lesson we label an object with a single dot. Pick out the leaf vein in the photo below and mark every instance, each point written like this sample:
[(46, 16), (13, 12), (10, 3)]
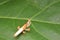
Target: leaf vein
[(21, 10), (46, 7), (4, 2), (39, 32), (28, 18)]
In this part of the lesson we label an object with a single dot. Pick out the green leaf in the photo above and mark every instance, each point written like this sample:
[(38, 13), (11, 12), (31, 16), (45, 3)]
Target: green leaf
[(44, 15)]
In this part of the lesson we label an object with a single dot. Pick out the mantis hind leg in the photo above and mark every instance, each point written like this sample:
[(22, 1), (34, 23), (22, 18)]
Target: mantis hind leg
[(28, 29), (18, 27)]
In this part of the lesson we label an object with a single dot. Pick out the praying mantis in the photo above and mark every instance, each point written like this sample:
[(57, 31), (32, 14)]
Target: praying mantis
[(24, 28)]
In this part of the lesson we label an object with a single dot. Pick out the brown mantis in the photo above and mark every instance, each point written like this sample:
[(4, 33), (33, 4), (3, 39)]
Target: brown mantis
[(25, 27)]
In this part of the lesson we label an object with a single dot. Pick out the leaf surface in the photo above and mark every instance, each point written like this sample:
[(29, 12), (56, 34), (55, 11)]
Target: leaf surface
[(44, 15)]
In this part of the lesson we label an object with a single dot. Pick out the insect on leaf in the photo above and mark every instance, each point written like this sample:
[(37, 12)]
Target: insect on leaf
[(44, 15)]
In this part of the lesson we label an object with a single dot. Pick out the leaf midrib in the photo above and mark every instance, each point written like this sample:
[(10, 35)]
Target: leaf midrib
[(35, 20)]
